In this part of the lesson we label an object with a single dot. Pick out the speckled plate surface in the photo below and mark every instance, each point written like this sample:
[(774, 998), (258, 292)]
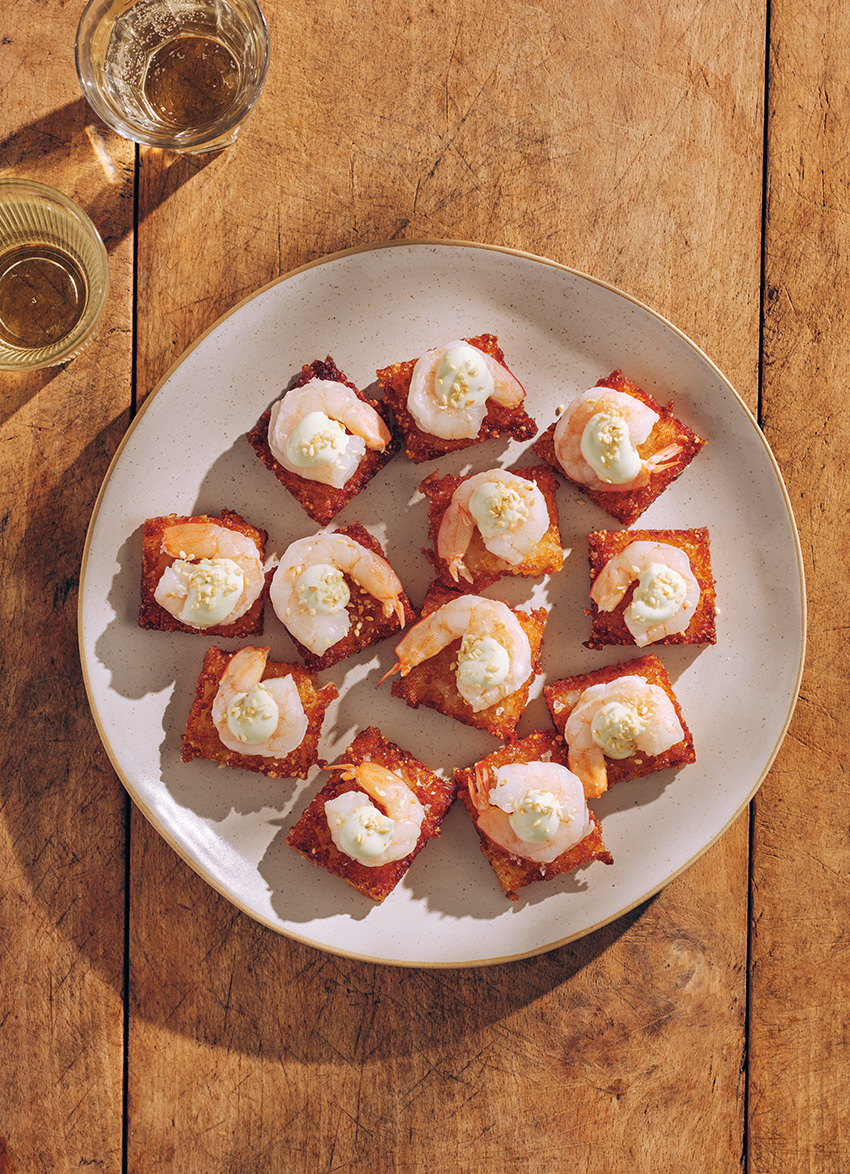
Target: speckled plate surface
[(186, 453)]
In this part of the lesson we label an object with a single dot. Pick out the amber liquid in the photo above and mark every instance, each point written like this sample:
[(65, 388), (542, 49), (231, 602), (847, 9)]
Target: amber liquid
[(191, 81), (42, 295)]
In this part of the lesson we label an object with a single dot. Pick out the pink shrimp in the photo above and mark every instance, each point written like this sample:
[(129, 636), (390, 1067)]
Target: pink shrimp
[(216, 576), (510, 513), (341, 426), (319, 620), (351, 818), (450, 386), (629, 422), (534, 810), (253, 716), (617, 719), (666, 596), (492, 641)]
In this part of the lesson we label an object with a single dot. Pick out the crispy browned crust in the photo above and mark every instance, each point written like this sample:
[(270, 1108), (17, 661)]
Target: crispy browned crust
[(154, 562), (609, 627), (323, 502), (432, 683), (201, 738), (423, 446), (368, 623), (546, 558), (628, 505), (563, 696), (512, 872), (311, 837)]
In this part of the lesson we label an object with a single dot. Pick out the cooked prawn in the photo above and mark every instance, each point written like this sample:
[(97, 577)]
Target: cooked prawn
[(666, 596), (623, 423), (254, 716), (510, 513), (309, 594), (216, 576), (617, 719), (450, 386), (534, 810), (330, 445), (494, 658), (360, 830)]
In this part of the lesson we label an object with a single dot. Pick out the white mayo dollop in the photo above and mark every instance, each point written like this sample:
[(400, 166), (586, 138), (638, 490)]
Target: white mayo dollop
[(482, 663), (658, 597), (365, 833), (316, 440), (537, 816), (213, 587), (322, 588), (497, 508), (616, 727), (253, 717), (606, 445), (462, 379)]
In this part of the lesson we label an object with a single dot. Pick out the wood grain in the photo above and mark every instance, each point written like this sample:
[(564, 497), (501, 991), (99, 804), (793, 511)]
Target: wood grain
[(62, 811), (799, 1045), (625, 142)]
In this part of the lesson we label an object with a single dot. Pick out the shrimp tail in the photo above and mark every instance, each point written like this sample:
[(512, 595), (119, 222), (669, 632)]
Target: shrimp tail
[(458, 568), (397, 667), (479, 790), (394, 607), (664, 458)]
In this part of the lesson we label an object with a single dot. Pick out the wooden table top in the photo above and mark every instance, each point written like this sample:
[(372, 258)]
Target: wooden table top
[(691, 155)]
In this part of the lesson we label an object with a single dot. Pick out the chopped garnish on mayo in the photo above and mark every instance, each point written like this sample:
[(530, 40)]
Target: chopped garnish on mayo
[(462, 379), (606, 445), (213, 587), (616, 726), (536, 817), (482, 662), (322, 588), (365, 833), (253, 717), (497, 508), (316, 440), (658, 596)]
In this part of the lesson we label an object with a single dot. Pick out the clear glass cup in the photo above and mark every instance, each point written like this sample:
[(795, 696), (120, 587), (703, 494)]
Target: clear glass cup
[(54, 276), (182, 75)]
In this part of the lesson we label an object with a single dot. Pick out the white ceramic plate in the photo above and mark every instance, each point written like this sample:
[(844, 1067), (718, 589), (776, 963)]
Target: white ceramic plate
[(186, 453)]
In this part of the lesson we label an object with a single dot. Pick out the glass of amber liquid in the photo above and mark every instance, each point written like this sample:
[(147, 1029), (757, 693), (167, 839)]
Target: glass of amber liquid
[(53, 276), (182, 75)]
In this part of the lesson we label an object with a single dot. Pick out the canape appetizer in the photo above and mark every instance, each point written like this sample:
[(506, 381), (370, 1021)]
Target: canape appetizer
[(454, 396), (203, 574), (492, 524), (257, 715), (619, 446), (324, 440), (377, 811), (530, 812)]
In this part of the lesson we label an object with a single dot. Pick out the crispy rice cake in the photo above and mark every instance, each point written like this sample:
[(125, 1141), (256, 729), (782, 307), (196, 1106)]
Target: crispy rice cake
[(432, 683), (546, 558), (609, 627), (155, 560), (563, 696), (513, 872), (312, 838), (369, 625), (201, 738), (424, 446), (324, 502), (627, 505)]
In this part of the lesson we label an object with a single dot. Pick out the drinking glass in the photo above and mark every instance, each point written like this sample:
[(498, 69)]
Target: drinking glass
[(182, 75), (53, 276)]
